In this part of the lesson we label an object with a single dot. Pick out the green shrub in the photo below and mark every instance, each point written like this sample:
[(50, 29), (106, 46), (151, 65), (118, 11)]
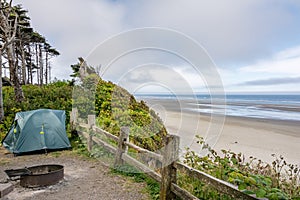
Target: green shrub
[(53, 96), (276, 181)]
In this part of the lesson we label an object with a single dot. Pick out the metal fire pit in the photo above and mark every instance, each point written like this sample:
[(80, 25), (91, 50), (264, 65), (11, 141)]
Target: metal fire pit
[(16, 172), (42, 175)]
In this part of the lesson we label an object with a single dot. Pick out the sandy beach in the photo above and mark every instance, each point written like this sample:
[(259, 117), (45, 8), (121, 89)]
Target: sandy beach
[(259, 138)]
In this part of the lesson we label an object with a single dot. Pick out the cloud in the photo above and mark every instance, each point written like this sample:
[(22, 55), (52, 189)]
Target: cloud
[(74, 27), (284, 62), (273, 81), (232, 31), (124, 54), (229, 29), (288, 53), (242, 37), (275, 73)]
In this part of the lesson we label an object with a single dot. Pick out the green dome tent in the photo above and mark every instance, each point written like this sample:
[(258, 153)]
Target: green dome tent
[(42, 129)]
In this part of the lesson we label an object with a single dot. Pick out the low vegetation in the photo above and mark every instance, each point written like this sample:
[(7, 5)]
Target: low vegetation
[(278, 180), (53, 96)]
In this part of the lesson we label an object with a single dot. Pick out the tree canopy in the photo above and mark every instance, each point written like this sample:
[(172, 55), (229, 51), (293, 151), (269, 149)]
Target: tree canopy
[(25, 54)]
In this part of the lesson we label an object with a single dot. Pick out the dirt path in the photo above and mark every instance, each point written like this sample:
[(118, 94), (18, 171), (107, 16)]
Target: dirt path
[(84, 179)]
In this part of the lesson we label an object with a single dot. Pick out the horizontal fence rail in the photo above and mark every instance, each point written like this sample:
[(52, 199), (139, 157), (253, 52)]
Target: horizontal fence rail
[(218, 184), (169, 161), (107, 134), (145, 151)]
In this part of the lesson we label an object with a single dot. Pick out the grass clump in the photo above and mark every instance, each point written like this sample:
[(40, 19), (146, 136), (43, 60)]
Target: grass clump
[(129, 171)]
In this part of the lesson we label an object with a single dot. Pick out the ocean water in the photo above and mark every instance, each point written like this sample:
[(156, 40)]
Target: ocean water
[(279, 107)]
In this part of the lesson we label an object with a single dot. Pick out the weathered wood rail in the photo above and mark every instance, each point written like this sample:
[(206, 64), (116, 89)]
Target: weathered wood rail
[(169, 161)]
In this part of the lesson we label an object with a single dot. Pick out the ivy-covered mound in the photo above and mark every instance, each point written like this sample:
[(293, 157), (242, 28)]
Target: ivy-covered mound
[(116, 107)]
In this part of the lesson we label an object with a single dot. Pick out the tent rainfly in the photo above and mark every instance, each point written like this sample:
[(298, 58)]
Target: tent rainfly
[(35, 130)]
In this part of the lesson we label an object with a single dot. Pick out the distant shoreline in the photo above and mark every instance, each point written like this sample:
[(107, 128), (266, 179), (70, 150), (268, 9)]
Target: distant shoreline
[(197, 106), (251, 136)]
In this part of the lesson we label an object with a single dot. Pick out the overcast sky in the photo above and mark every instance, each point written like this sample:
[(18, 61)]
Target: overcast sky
[(254, 44)]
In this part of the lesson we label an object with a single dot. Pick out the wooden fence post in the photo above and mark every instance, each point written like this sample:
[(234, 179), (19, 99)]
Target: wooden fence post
[(91, 123), (122, 147), (168, 171), (73, 118)]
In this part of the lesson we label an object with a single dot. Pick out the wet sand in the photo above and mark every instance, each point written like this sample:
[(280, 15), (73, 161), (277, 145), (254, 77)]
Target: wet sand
[(253, 137)]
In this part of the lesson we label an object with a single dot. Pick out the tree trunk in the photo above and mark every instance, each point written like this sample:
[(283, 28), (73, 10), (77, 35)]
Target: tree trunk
[(24, 78), (16, 63), (13, 74), (1, 94), (37, 64), (41, 66), (30, 75), (46, 72), (49, 71)]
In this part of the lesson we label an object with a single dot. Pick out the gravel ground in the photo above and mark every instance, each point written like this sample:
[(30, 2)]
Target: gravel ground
[(84, 179)]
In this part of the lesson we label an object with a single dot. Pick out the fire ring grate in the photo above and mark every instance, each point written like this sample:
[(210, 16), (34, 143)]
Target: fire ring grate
[(38, 176), (42, 175)]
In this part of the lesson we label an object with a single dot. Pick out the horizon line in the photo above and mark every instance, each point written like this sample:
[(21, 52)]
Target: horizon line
[(225, 93)]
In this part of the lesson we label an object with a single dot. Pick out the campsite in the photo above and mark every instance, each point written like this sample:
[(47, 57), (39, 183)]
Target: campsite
[(84, 177), (84, 174), (107, 99)]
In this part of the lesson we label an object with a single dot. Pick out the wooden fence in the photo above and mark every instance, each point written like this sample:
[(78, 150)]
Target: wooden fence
[(168, 159)]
